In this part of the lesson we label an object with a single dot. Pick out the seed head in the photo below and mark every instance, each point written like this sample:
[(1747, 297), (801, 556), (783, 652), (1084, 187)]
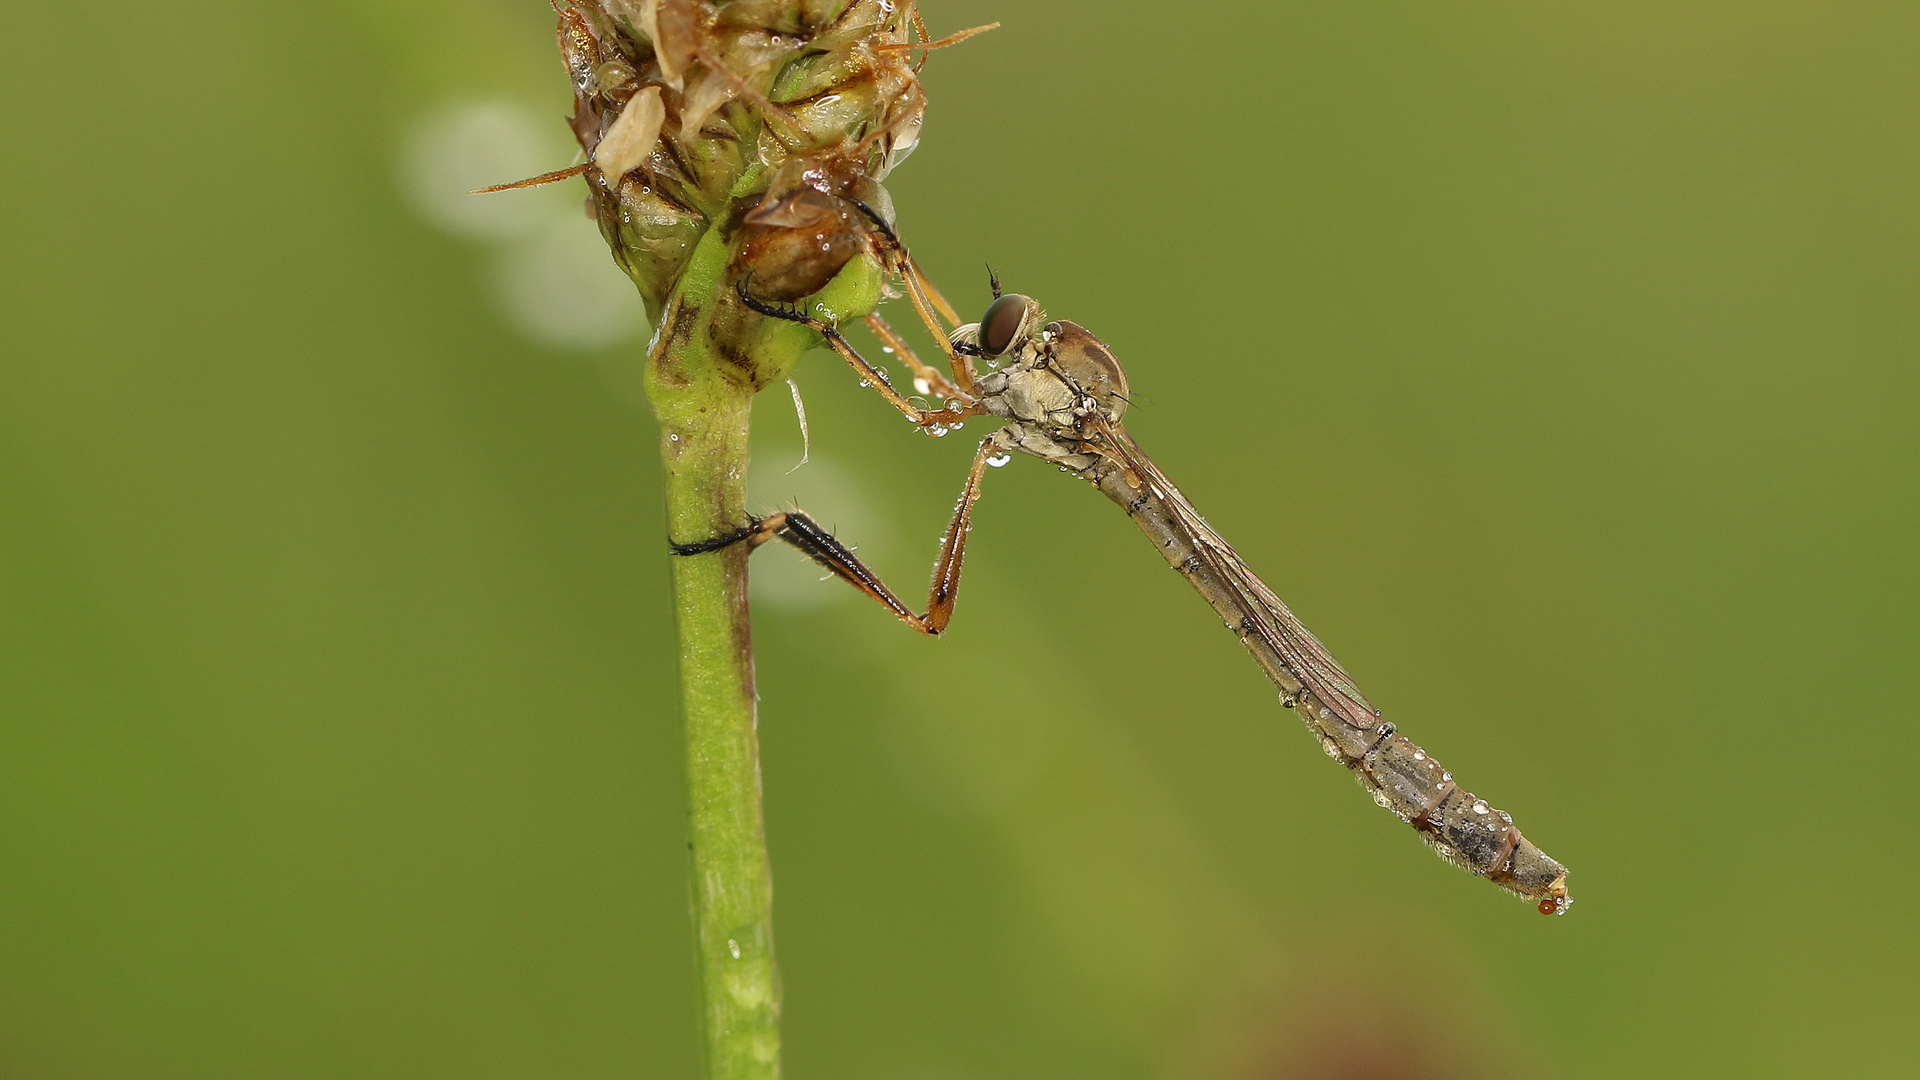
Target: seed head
[(773, 121)]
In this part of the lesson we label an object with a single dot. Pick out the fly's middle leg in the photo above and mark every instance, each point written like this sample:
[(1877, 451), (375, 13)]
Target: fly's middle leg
[(927, 419), (929, 379)]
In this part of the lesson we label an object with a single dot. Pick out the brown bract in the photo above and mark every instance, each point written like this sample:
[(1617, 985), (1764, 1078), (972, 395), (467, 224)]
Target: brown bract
[(761, 117)]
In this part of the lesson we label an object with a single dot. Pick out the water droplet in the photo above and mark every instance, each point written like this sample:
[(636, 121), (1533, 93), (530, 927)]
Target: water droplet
[(957, 425), (1446, 778), (922, 386), (1332, 748), (1479, 808), (999, 460), (673, 438), (937, 430), (734, 948), (1419, 755), (888, 349), (1380, 800), (864, 384)]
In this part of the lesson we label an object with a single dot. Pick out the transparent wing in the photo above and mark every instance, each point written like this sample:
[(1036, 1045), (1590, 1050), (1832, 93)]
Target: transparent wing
[(1264, 613)]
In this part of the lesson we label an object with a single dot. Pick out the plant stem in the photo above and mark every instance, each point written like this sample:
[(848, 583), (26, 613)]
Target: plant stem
[(732, 882), (705, 367), (704, 416)]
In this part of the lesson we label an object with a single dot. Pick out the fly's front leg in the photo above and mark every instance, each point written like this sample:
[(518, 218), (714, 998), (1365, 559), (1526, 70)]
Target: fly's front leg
[(926, 298), (927, 301), (801, 531), (934, 420)]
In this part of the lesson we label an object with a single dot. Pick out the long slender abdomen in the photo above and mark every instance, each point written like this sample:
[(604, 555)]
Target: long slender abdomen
[(1464, 829)]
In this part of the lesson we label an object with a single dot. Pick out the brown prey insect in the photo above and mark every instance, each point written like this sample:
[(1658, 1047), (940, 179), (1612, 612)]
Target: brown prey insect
[(1062, 394)]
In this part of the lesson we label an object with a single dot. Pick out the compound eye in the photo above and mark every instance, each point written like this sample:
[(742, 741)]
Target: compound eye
[(1001, 322)]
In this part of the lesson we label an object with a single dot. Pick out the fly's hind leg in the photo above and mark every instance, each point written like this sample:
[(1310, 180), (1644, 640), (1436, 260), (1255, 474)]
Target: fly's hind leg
[(796, 528)]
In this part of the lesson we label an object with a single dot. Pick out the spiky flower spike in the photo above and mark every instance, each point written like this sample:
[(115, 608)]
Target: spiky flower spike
[(725, 140), (735, 145)]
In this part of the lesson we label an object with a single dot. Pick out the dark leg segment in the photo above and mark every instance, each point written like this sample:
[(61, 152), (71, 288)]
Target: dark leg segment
[(823, 547), (801, 531), (724, 540)]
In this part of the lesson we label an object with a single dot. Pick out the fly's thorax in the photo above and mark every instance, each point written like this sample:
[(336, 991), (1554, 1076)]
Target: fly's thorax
[(1035, 395), (1057, 378), (1087, 363)]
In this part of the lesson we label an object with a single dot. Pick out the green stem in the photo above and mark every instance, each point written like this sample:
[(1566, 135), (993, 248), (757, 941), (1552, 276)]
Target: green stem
[(711, 355), (732, 891)]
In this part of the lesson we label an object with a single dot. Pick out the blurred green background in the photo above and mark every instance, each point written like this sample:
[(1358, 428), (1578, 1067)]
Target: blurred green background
[(1557, 363)]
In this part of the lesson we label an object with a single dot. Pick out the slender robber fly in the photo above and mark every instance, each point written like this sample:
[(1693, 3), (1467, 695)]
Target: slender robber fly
[(1062, 394)]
